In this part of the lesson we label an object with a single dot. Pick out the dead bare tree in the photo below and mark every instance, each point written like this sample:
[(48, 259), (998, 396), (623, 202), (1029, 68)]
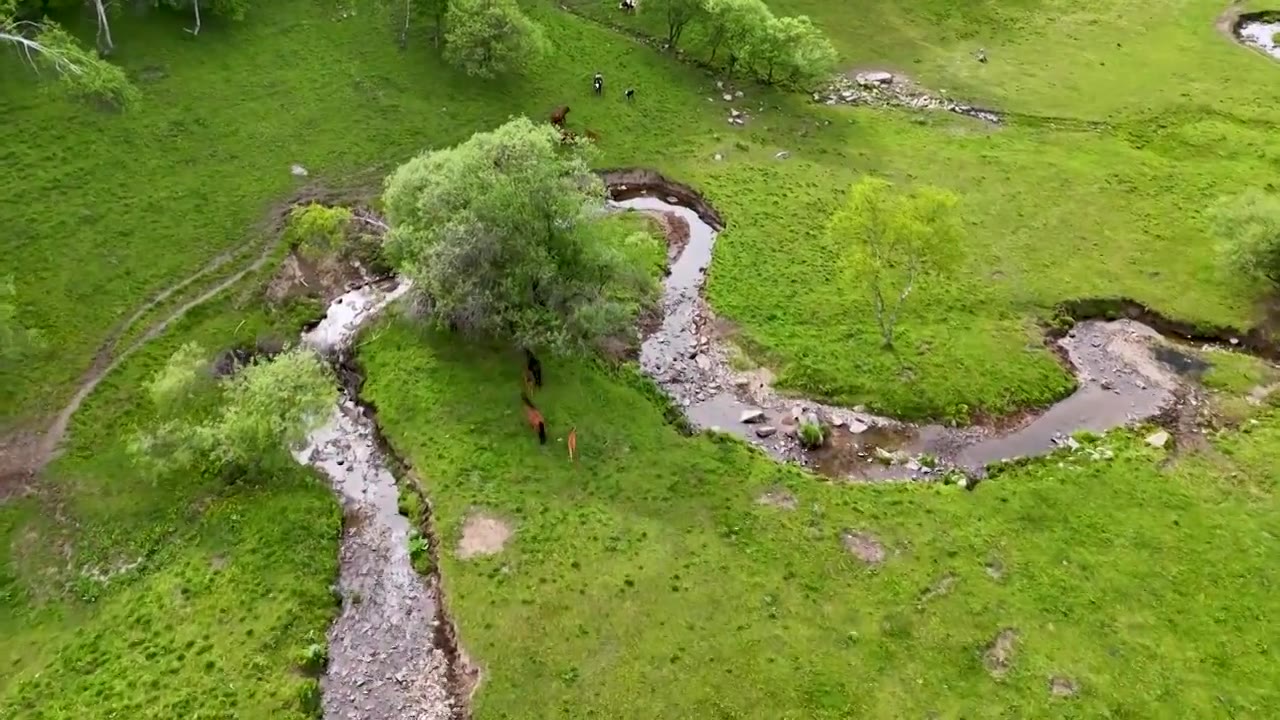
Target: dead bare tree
[(196, 30), (404, 32), (105, 44)]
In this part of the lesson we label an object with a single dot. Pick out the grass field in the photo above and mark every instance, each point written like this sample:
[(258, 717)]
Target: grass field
[(647, 582)]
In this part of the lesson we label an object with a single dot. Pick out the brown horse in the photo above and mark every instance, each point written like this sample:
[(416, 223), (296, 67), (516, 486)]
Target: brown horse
[(557, 117), (535, 418)]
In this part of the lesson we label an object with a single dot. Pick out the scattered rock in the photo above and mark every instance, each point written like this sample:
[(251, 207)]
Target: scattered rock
[(738, 94), (995, 569), (857, 427), (999, 655), (1061, 686), (734, 113), (778, 498), (717, 157), (298, 171), (482, 535), (765, 431), (752, 416), (1107, 384), (863, 546), (782, 155), (1158, 439), (874, 78)]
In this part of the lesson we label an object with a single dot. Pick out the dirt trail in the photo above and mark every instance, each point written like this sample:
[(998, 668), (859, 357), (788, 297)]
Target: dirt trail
[(24, 455)]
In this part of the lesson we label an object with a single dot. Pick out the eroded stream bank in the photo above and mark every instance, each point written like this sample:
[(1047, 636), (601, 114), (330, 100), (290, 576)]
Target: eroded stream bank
[(392, 650), (1127, 372)]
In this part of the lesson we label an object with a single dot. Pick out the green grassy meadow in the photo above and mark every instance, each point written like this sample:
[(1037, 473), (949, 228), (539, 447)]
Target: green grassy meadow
[(647, 581)]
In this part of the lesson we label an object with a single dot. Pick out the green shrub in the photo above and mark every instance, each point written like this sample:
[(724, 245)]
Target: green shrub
[(309, 697), (1275, 39), (420, 553), (313, 658), (811, 434)]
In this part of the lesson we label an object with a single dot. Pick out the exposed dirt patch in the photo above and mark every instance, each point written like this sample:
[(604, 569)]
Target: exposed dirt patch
[(1227, 21), (19, 458), (1062, 686), (218, 562), (995, 568), (778, 498), (483, 534), (944, 586), (999, 655), (864, 546)]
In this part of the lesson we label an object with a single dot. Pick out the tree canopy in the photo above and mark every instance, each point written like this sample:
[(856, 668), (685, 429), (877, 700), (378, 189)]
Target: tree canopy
[(893, 241), (47, 48), (501, 234), (266, 406), (485, 38)]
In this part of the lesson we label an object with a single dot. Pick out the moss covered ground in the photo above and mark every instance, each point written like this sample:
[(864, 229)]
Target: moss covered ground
[(646, 582)]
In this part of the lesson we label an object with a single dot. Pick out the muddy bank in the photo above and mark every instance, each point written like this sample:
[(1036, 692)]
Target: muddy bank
[(392, 649), (1127, 372), (1258, 30)]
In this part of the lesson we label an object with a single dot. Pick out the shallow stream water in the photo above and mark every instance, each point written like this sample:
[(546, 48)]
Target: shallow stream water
[(1261, 35), (384, 658), (1121, 381)]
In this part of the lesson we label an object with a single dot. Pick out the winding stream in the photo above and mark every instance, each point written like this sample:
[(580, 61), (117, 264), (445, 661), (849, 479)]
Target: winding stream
[(386, 659), (1122, 380)]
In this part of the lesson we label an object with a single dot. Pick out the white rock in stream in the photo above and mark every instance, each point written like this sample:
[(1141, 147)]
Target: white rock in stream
[(348, 313)]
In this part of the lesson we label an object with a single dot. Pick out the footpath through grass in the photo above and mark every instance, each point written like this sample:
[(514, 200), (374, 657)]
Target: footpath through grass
[(647, 580)]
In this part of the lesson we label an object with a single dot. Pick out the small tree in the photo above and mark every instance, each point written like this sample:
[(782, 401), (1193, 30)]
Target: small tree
[(811, 56), (263, 408), (1248, 228), (735, 25), (893, 241), (679, 14), (45, 46), (232, 9), (501, 234), (485, 38), (317, 228)]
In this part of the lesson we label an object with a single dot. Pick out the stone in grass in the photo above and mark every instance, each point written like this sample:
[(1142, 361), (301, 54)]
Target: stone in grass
[(298, 171), (1158, 439), (999, 655)]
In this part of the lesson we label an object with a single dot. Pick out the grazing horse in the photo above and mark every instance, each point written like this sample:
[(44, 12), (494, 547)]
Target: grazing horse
[(630, 93), (533, 367), (597, 83), (557, 117), (535, 418), (573, 444)]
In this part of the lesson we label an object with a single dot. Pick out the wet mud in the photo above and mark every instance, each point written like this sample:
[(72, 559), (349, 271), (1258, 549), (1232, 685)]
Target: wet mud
[(1127, 373)]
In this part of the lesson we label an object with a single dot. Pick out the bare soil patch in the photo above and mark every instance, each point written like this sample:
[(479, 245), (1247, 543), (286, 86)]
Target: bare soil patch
[(483, 534), (943, 586), (778, 498), (1062, 686), (999, 655), (864, 546)]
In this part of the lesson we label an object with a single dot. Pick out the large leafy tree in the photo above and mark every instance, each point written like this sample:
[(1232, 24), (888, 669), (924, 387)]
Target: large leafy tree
[(485, 38), (792, 49), (502, 235), (894, 241), (679, 13), (244, 421)]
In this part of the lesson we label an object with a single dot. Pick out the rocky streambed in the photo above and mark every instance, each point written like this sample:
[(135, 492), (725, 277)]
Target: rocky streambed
[(1127, 373), (391, 649)]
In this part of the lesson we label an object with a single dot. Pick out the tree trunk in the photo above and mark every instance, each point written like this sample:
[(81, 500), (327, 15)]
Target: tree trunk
[(196, 30), (105, 44), (404, 32)]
